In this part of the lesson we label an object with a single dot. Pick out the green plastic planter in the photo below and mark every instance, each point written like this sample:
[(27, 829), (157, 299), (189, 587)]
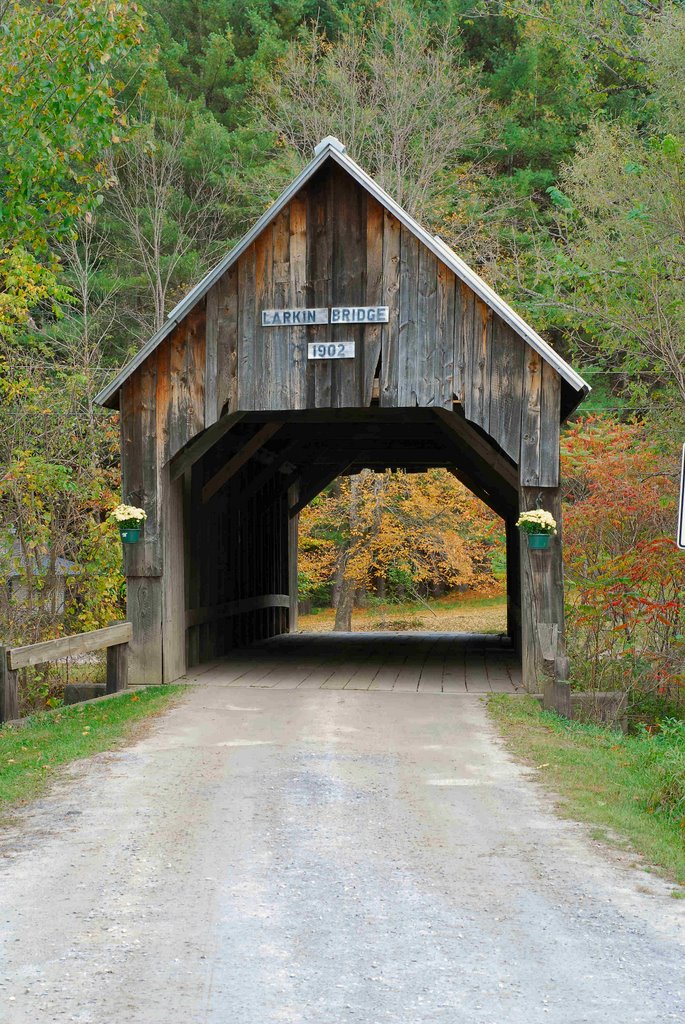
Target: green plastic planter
[(539, 541), (130, 536)]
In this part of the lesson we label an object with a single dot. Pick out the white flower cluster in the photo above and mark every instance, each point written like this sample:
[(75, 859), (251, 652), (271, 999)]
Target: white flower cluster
[(129, 515), (537, 521)]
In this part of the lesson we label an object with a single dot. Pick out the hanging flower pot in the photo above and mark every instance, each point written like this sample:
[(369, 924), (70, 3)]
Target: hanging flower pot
[(129, 520), (539, 541), (539, 526), (129, 536)]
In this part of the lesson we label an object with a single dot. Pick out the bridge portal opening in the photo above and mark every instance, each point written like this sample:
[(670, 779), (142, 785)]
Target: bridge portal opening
[(244, 495)]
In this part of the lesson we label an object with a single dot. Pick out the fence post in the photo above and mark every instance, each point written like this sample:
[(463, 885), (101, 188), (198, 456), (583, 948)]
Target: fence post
[(9, 690), (117, 668)]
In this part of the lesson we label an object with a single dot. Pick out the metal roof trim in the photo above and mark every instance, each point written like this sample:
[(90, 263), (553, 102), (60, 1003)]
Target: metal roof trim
[(334, 149)]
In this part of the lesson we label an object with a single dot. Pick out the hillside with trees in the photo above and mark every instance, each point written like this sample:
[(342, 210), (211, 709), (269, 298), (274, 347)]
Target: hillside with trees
[(543, 141)]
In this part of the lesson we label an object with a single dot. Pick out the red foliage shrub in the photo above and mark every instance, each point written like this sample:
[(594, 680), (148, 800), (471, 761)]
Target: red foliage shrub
[(625, 575)]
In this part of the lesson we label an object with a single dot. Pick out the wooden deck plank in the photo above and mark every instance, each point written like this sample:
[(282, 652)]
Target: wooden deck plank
[(388, 673), (476, 673), (433, 669), (410, 674), (345, 670), (406, 662)]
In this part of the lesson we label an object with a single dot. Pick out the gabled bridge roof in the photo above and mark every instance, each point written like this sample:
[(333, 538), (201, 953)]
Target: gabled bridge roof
[(331, 148)]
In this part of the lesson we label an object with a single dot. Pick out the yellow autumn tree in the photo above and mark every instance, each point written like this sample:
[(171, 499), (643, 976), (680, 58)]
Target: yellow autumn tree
[(397, 535)]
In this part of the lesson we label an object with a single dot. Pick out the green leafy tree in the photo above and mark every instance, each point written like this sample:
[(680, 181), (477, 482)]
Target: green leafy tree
[(59, 80), (616, 280), (400, 96)]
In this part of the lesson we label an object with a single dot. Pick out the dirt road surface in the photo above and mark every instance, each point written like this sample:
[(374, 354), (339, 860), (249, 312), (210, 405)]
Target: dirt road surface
[(280, 857)]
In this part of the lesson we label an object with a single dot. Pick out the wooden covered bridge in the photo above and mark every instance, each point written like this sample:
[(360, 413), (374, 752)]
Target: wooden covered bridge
[(337, 335)]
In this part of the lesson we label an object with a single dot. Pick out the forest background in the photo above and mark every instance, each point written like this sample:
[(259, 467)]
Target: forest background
[(543, 140)]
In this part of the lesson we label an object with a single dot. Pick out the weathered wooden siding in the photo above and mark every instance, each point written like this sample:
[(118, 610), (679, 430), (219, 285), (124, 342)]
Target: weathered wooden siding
[(335, 245)]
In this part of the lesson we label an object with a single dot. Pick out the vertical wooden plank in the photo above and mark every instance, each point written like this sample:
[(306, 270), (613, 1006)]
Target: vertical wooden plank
[(297, 351), (186, 381), (542, 585), (550, 416), (529, 460), (371, 342), (210, 572), (427, 371), (278, 372), (292, 528), (486, 369), (212, 356), (476, 376), (173, 592), (389, 383), (263, 336), (444, 339), (9, 689), (463, 352), (247, 354), (319, 276), (513, 538), (227, 342), (117, 668), (164, 405), (195, 371), (139, 464), (144, 611), (408, 333), (349, 265), (506, 388), (177, 393), (192, 509)]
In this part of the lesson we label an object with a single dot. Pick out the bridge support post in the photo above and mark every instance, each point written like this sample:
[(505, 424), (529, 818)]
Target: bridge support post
[(542, 588)]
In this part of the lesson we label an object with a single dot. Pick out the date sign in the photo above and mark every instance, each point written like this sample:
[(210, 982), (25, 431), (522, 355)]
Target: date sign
[(330, 350)]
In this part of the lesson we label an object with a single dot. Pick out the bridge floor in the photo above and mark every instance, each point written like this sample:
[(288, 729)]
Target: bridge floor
[(409, 662)]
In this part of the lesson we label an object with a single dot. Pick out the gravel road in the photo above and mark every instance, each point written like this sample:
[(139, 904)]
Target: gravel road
[(324, 857)]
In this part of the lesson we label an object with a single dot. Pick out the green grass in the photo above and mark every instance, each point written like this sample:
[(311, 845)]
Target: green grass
[(631, 789), (30, 754)]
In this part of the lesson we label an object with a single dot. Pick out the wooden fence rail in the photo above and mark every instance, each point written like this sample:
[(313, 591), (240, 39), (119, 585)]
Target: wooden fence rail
[(114, 638)]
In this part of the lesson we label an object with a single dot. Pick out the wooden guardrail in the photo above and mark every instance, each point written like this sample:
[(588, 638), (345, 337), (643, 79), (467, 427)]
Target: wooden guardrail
[(115, 638)]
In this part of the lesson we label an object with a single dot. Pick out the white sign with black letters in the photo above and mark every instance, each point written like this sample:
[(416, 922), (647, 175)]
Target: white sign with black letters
[(336, 315), (330, 350), (359, 315), (294, 317), (681, 505)]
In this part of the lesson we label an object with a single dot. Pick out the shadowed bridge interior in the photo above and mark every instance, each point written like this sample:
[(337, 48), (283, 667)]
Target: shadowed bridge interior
[(450, 663), (248, 484)]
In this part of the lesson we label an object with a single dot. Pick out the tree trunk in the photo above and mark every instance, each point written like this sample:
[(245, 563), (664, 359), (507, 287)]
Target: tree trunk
[(343, 612), (344, 588)]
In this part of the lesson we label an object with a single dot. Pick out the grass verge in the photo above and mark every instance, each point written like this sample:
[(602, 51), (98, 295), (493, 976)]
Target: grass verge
[(31, 753), (629, 787)]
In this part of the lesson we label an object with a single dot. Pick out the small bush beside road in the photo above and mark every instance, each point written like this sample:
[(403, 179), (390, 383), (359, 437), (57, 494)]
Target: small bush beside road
[(632, 788)]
